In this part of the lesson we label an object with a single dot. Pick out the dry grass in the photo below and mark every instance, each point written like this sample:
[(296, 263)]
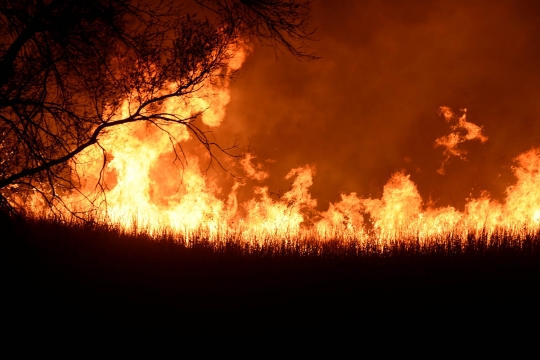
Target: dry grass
[(80, 267)]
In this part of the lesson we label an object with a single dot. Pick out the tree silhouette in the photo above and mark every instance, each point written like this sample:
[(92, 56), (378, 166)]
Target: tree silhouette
[(67, 68)]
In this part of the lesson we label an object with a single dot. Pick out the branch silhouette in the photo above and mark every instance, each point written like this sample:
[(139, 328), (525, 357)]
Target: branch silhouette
[(68, 68)]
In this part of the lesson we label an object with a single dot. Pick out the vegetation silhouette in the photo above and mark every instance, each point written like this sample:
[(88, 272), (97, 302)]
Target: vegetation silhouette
[(94, 269)]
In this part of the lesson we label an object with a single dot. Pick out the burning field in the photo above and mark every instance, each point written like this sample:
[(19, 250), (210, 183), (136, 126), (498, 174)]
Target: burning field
[(147, 189), (406, 159), (150, 180)]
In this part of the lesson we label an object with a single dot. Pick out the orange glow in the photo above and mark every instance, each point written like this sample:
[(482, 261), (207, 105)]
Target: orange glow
[(451, 141), (148, 187)]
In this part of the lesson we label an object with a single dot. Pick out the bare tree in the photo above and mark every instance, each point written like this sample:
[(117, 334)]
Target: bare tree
[(66, 67)]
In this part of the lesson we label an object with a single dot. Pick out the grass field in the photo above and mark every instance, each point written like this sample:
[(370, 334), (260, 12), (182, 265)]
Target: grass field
[(57, 269)]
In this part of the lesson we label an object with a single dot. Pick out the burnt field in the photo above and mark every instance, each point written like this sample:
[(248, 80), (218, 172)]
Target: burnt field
[(69, 271)]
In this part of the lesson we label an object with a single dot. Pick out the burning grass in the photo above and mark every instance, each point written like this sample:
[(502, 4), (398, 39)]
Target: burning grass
[(96, 269), (304, 244), (174, 243)]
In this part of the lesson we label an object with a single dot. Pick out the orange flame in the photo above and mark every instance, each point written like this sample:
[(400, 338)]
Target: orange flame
[(145, 189), (451, 141)]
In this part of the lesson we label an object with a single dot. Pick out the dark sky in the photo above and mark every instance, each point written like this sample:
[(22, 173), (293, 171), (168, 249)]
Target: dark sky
[(369, 106)]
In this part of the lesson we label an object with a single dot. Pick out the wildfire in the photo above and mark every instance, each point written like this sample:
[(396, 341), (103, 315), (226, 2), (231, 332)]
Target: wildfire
[(148, 186)]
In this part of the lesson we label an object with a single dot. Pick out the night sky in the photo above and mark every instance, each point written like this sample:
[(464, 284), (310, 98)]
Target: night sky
[(369, 106)]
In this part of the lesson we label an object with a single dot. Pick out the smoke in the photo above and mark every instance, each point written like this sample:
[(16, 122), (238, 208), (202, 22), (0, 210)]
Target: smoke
[(369, 106)]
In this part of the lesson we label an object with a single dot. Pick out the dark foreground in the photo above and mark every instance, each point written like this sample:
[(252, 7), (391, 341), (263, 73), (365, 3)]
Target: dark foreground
[(80, 273)]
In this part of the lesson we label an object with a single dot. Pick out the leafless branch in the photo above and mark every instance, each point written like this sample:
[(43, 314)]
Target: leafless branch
[(67, 67)]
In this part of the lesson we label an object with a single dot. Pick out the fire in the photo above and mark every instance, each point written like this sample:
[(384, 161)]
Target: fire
[(148, 184), (185, 201), (266, 217), (523, 198), (399, 208), (451, 142)]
